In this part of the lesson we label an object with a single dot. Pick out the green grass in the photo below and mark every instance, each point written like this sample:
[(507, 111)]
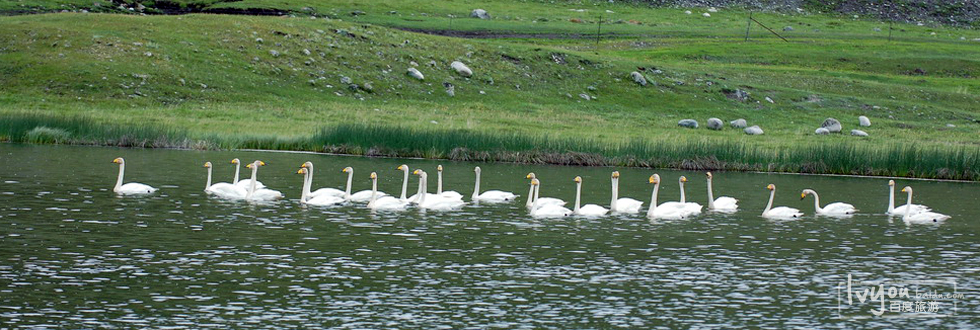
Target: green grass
[(214, 83)]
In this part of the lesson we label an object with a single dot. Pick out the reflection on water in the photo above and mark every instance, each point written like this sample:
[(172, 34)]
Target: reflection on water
[(76, 256)]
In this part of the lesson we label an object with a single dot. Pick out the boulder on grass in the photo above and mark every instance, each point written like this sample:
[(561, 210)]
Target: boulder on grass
[(480, 13), (832, 125), (415, 74), (689, 123), (461, 68), (754, 130), (857, 132), (821, 131), (738, 123), (864, 121), (715, 124), (638, 78)]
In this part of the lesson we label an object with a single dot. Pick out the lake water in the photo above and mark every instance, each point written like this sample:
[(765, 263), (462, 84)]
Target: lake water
[(74, 255)]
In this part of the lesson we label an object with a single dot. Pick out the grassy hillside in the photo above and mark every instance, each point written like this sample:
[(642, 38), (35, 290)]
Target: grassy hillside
[(228, 79)]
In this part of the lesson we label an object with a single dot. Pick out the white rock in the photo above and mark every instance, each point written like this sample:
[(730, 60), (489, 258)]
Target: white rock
[(706, 15), (638, 78), (715, 124), (754, 130), (864, 121), (822, 131), (415, 74), (832, 125), (713, 9), (461, 68), (770, 100), (857, 132), (480, 13), (687, 12), (738, 123)]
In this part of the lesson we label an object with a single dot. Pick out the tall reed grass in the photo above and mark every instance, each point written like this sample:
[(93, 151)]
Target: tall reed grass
[(936, 162)]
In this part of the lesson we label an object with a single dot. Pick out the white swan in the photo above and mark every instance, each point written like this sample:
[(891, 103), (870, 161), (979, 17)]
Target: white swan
[(243, 183), (532, 195), (832, 209), (539, 210), (404, 168), (781, 212), (689, 208), (722, 204), (490, 196), (384, 203), (448, 193), (334, 192), (223, 189), (901, 210), (589, 210), (625, 204), (664, 211), (921, 217), (321, 200), (132, 188), (256, 194), (435, 201), (362, 196)]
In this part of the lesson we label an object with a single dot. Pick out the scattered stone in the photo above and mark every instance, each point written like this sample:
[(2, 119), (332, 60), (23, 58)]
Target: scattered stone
[(585, 96), (638, 78), (738, 123), (821, 131), (592, 88), (450, 89), (148, 54), (274, 53), (353, 87), (770, 100), (687, 12), (715, 124), (689, 123), (950, 125), (480, 13), (259, 40), (368, 87), (306, 52), (788, 28), (461, 68), (864, 121), (754, 130), (736, 94), (713, 9), (706, 15), (877, 29), (415, 74), (345, 80), (832, 125), (857, 132)]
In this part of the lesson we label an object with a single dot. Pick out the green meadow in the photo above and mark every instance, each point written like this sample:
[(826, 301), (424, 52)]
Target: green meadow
[(331, 76)]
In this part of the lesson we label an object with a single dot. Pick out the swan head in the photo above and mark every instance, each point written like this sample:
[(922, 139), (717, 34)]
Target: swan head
[(417, 172), (708, 174), (578, 179), (256, 164), (118, 161), (348, 169), (683, 178), (207, 164), (655, 178), (891, 183), (771, 187), (301, 171), (403, 168), (307, 165), (615, 175), (806, 192), (477, 169), (907, 189), (235, 161), (374, 175), (439, 168), (531, 176), (535, 182)]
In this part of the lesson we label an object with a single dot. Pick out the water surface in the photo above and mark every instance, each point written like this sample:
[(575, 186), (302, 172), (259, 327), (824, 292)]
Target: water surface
[(74, 255)]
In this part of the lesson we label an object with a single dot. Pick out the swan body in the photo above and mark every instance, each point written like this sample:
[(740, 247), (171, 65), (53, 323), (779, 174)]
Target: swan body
[(589, 210), (721, 204), (245, 184), (921, 217), (255, 193), (902, 210), (132, 188), (435, 202), (781, 212), (384, 203), (334, 192), (667, 210), (532, 196), (832, 209), (320, 200), (449, 193), (223, 189), (625, 204), (688, 208), (539, 210), (489, 196)]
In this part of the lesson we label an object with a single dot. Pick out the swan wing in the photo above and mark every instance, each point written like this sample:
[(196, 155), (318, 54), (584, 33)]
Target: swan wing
[(245, 184), (227, 191), (364, 196), (725, 204), (551, 211), (628, 205), (916, 208), (266, 195), (839, 208), (324, 200), (667, 213), (691, 209), (389, 203), (496, 196), (926, 217), (135, 188), (328, 192), (451, 195), (545, 201), (592, 210), (783, 212)]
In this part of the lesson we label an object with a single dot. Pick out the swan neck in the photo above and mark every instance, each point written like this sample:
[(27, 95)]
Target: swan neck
[(908, 206), (374, 191), (683, 197), (307, 182), (238, 168), (476, 186), (350, 180), (711, 196), (653, 198), (405, 186), (423, 189), (816, 202), (891, 199), (251, 186), (615, 193), (530, 196), (119, 179), (534, 205), (439, 183), (772, 194), (208, 185), (578, 195)]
